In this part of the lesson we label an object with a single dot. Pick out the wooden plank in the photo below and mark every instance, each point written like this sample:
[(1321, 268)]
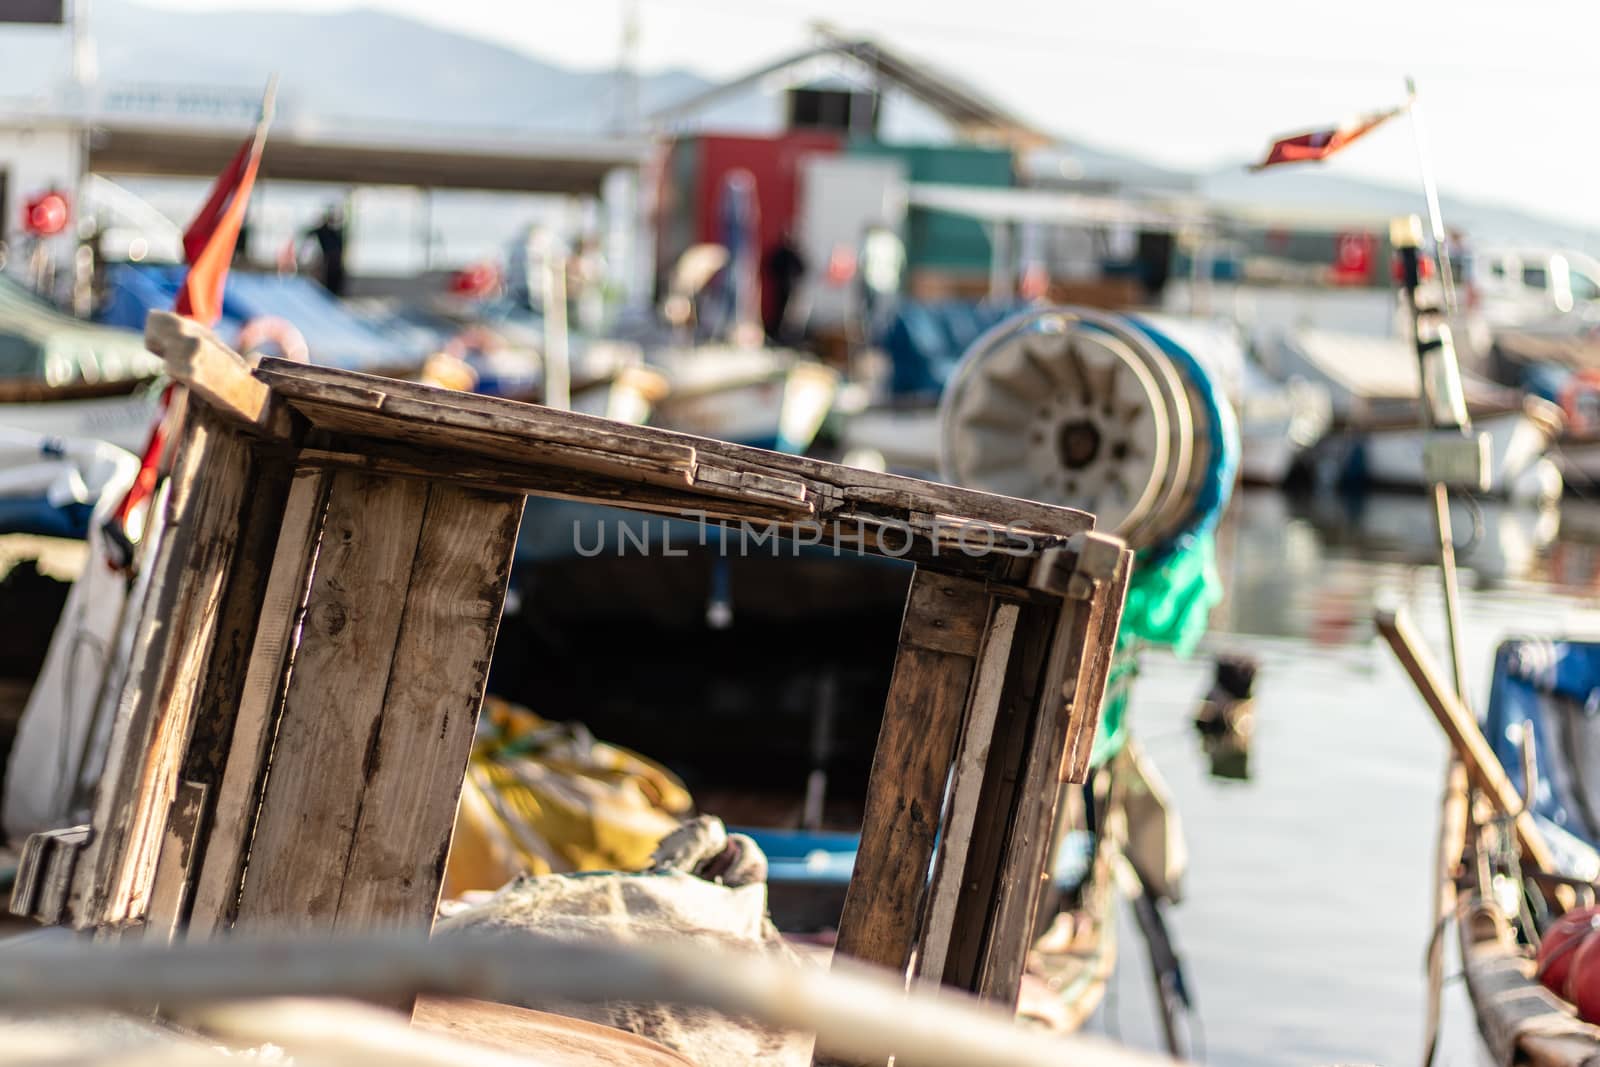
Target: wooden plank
[(214, 372), (169, 891), (418, 461), (336, 400), (212, 481), (905, 793), (333, 707), (43, 882), (940, 616), (934, 541), (332, 398), (1026, 861), (465, 440), (223, 678), (441, 666), (1461, 727), (1086, 695), (60, 865), (1035, 637), (30, 869), (221, 867), (972, 760), (217, 877)]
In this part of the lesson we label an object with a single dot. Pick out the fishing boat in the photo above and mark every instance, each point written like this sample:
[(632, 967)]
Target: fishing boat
[(1517, 839), (1517, 827), (1376, 437), (1278, 423), (68, 378)]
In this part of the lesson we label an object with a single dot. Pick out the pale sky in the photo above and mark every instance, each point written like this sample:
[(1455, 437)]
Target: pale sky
[(1511, 91)]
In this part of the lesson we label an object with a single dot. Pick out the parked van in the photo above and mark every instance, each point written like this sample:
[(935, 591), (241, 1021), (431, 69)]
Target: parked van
[(1513, 286)]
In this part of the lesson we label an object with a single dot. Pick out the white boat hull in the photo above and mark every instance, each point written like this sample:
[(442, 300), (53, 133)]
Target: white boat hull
[(1518, 466), (123, 421), (1267, 454), (781, 409)]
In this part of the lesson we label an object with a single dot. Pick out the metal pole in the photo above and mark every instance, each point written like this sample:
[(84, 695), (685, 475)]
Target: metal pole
[(1441, 494), (1451, 842), (1447, 281), (557, 368)]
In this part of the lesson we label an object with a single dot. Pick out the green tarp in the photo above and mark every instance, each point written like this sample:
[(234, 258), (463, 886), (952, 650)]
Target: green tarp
[(1168, 604)]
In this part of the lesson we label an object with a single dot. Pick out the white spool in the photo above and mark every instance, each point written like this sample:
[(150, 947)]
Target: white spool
[(1074, 408)]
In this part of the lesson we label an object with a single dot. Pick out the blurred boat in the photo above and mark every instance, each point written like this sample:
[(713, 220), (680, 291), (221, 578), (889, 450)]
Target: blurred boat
[(1526, 844), (333, 335), (1496, 539), (63, 377), (1376, 440), (767, 397), (1278, 422)]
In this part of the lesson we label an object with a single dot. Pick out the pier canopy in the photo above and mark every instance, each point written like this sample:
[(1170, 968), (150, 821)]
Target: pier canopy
[(500, 161)]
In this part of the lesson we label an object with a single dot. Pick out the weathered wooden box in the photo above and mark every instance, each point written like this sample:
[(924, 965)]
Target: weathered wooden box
[(334, 549)]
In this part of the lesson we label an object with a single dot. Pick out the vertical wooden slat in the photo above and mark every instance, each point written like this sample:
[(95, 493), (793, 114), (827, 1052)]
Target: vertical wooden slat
[(1094, 671), (333, 707), (415, 771), (180, 843), (939, 641), (1036, 627), (1027, 861), (966, 784), (221, 866), (211, 485)]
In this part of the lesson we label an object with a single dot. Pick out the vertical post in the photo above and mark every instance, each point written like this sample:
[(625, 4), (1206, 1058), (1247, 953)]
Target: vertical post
[(1451, 842), (557, 366), (1430, 192), (939, 641)]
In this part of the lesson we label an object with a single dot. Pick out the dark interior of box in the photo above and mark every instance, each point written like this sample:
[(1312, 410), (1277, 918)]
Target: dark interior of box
[(745, 712)]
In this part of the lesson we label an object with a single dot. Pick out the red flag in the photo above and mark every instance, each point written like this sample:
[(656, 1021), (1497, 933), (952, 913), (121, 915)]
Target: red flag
[(1320, 144), (209, 241), (208, 245)]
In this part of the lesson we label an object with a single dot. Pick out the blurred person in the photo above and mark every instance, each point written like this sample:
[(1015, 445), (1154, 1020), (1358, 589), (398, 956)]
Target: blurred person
[(330, 237), (784, 269), (880, 266), (241, 247)]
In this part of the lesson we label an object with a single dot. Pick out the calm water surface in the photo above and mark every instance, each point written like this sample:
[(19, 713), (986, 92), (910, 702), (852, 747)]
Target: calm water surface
[(1307, 901)]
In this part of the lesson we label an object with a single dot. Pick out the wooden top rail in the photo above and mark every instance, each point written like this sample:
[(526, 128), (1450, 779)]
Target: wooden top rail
[(405, 427)]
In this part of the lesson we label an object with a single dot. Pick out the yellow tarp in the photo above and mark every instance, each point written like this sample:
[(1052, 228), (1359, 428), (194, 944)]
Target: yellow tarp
[(544, 798)]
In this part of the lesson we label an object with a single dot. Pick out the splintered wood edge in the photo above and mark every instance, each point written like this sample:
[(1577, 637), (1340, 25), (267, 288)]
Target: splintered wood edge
[(337, 400), (197, 359)]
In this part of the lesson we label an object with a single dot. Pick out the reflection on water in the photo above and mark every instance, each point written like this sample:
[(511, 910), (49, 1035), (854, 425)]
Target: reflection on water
[(1307, 901)]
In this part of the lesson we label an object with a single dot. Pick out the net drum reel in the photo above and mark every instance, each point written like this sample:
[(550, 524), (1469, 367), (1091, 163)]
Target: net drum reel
[(1108, 413)]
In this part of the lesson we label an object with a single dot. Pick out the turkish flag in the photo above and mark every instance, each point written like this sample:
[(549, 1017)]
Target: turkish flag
[(1320, 144)]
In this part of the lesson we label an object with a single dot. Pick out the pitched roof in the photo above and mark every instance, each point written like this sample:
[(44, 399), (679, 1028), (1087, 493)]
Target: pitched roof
[(964, 107)]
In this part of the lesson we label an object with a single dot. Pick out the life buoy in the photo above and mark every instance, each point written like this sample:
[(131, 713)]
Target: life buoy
[(1580, 402), (270, 331), (474, 339)]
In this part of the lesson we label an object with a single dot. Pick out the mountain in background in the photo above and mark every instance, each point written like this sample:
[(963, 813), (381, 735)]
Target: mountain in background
[(367, 67), (1311, 189), (353, 66)]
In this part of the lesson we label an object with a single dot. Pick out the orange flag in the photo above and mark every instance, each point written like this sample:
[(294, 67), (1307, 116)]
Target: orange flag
[(210, 240)]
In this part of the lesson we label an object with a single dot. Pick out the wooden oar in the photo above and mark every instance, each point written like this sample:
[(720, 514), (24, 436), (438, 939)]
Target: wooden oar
[(1482, 767)]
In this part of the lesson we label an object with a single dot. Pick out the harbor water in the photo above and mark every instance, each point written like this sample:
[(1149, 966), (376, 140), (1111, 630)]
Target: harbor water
[(1307, 900)]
